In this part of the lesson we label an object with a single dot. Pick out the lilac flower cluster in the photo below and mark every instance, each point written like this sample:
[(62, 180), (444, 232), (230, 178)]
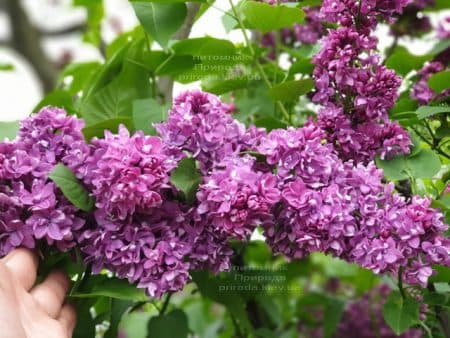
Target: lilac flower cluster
[(136, 231), (421, 91), (236, 198), (355, 90), (363, 318), (363, 15), (199, 123), (300, 192), (345, 210), (31, 207)]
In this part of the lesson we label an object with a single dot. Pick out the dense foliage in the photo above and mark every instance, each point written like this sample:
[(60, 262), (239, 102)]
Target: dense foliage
[(310, 200)]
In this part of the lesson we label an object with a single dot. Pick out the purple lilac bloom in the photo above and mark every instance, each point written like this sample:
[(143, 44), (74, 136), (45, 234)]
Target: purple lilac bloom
[(304, 195), (31, 206), (365, 140), (345, 210), (236, 198), (126, 173), (210, 248), (149, 250), (136, 232), (355, 90), (421, 91), (201, 124), (363, 15)]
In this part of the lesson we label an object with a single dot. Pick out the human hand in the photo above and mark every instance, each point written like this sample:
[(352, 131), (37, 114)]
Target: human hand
[(32, 312)]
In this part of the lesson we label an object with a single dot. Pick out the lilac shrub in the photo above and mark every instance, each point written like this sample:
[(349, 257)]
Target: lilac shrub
[(355, 90), (421, 91), (304, 196)]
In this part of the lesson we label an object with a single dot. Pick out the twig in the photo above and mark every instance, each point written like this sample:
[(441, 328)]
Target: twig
[(165, 304), (75, 28), (26, 40)]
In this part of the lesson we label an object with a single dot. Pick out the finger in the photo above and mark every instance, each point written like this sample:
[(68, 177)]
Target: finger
[(23, 264), (50, 293), (68, 318)]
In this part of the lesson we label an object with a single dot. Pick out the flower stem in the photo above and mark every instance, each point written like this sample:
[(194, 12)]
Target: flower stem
[(166, 304)]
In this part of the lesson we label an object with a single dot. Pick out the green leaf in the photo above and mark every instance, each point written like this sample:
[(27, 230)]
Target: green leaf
[(423, 164), (57, 98), (332, 316), (111, 102), (98, 129), (6, 67), (65, 179), (440, 81), (266, 18), (95, 14), (403, 61), (186, 177), (205, 46), (160, 20), (134, 324), (403, 104), (117, 86), (109, 71), (219, 86), (302, 66), (102, 286), (123, 40), (442, 275), (400, 314), (145, 113), (85, 326), (173, 325), (394, 169), (175, 65), (270, 123), (210, 287), (9, 130), (80, 75), (404, 110), (427, 111), (118, 309), (271, 308), (442, 287), (229, 21), (291, 90)]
